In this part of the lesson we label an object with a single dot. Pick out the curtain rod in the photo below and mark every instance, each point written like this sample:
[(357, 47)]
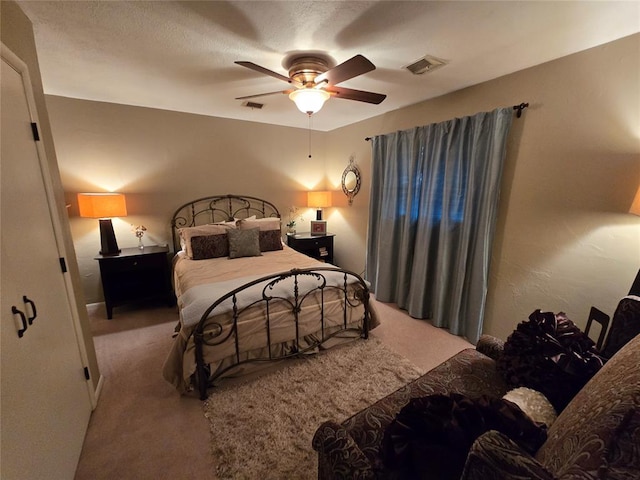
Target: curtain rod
[(519, 109)]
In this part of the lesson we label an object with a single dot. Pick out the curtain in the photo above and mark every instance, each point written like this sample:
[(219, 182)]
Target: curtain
[(433, 205)]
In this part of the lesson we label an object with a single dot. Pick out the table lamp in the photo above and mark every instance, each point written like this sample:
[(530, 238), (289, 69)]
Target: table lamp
[(318, 200), (104, 206)]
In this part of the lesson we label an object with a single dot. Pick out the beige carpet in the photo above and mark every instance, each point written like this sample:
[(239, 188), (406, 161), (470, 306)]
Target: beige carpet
[(142, 429), (263, 428)]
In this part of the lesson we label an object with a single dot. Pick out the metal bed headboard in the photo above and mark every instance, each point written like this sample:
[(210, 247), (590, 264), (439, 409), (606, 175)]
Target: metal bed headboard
[(218, 208)]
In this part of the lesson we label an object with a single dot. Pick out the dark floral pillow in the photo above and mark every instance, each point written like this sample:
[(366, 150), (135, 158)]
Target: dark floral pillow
[(209, 246), (550, 354), (270, 240), (431, 436)]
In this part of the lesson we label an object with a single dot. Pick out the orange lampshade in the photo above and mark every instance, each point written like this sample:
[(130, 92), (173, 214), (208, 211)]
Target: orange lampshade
[(102, 205), (319, 199), (635, 206)]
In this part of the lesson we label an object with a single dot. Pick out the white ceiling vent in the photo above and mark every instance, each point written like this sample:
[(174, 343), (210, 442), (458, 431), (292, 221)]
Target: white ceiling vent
[(253, 105), (425, 64)]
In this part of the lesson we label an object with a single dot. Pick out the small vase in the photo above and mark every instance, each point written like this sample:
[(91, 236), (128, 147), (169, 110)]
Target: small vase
[(291, 230), (140, 244)]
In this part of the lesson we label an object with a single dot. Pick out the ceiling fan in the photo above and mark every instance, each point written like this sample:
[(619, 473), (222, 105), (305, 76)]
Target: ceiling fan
[(315, 82)]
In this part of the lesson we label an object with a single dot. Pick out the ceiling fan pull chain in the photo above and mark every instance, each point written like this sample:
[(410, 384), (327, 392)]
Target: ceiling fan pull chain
[(309, 135)]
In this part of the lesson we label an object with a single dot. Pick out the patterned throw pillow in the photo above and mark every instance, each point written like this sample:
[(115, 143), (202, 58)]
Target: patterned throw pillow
[(270, 240), (187, 233), (550, 354), (209, 246), (431, 436), (270, 231), (533, 403), (244, 243)]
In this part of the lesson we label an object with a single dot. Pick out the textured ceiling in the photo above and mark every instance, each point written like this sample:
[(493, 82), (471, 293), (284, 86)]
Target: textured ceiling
[(179, 55)]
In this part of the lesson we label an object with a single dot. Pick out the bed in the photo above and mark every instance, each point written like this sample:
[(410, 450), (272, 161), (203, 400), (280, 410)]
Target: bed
[(246, 299)]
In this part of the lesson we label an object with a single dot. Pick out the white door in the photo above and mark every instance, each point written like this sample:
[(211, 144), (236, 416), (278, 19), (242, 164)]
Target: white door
[(45, 404)]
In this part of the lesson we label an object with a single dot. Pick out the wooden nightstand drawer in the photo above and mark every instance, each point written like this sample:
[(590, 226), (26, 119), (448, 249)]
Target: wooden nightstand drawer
[(319, 247), (129, 264), (321, 242)]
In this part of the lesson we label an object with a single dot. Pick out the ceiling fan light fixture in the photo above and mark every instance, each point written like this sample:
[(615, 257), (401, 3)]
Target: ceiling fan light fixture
[(309, 100)]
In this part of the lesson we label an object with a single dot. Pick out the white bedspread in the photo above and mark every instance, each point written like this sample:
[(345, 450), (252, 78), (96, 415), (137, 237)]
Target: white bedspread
[(198, 283), (197, 299)]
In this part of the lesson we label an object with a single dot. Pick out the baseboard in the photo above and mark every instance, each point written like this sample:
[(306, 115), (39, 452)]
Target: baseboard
[(98, 391)]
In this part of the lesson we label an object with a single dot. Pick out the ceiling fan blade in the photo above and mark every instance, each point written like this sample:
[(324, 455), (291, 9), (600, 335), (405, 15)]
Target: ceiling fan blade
[(359, 95), (263, 94), (351, 68), (266, 71)]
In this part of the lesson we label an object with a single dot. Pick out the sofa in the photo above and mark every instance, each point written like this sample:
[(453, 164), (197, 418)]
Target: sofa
[(596, 436)]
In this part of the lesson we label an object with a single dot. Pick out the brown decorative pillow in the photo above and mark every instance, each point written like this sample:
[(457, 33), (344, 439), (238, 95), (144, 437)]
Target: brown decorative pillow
[(270, 231), (431, 436), (550, 354), (187, 233), (270, 240), (244, 243), (209, 246)]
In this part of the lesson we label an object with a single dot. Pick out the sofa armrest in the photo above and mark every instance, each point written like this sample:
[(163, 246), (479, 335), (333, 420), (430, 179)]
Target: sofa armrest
[(494, 455), (490, 346), (339, 456)]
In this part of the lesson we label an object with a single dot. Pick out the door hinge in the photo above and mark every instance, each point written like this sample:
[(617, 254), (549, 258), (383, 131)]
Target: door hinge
[(36, 134), (86, 373), (63, 265)]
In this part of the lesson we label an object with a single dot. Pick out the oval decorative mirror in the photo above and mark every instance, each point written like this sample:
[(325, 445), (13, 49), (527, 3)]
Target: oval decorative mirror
[(351, 180)]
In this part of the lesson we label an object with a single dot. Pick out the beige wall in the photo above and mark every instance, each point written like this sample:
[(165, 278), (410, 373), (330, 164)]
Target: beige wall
[(563, 242), (162, 159), (17, 34)]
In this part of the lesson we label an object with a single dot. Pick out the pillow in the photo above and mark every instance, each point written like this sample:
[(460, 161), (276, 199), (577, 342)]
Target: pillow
[(187, 233), (550, 354), (431, 436), (209, 246), (270, 240), (244, 243), (264, 224), (270, 232), (533, 403)]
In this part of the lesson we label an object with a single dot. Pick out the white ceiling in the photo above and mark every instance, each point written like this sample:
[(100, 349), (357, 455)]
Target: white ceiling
[(178, 55)]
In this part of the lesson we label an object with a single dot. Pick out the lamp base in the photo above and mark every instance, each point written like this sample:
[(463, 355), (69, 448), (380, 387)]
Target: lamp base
[(108, 243)]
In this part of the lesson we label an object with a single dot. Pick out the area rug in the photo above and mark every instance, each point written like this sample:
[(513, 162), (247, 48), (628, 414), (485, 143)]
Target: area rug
[(263, 428)]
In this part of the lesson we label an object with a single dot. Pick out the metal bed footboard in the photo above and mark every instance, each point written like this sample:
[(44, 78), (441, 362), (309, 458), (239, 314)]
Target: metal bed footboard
[(308, 285)]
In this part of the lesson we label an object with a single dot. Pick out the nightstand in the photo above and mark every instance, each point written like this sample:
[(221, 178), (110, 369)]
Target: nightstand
[(135, 274), (319, 247)]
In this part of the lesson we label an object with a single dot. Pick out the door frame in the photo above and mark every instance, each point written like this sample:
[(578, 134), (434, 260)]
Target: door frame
[(21, 67)]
